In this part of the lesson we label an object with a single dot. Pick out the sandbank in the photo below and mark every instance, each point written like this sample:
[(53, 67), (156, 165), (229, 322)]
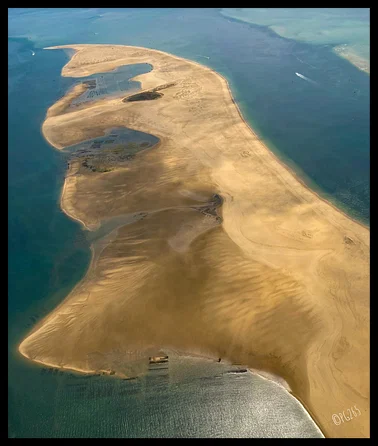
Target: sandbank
[(280, 282)]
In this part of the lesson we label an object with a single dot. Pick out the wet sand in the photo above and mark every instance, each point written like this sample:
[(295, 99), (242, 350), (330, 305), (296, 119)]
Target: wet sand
[(276, 278)]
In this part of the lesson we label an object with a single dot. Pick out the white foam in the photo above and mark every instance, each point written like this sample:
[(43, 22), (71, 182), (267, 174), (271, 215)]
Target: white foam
[(306, 78)]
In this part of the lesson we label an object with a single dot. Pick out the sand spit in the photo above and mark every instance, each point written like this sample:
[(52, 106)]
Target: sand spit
[(360, 62), (280, 283)]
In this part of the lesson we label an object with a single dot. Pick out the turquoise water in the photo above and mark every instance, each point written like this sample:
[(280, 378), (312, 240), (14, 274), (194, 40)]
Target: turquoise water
[(321, 130), (349, 27)]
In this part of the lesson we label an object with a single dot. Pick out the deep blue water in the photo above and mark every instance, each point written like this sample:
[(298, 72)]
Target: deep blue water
[(321, 130)]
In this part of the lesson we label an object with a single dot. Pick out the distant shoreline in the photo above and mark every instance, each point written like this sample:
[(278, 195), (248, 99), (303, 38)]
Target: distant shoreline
[(356, 60), (330, 221)]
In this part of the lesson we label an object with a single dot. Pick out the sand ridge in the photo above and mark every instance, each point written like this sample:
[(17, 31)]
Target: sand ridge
[(282, 284)]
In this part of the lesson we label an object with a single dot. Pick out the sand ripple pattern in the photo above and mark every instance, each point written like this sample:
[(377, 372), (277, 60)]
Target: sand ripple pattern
[(275, 277)]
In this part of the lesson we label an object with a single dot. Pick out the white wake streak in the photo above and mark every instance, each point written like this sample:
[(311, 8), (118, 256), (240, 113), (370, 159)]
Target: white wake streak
[(306, 78)]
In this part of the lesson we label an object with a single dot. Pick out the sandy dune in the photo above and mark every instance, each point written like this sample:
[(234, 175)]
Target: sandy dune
[(280, 282)]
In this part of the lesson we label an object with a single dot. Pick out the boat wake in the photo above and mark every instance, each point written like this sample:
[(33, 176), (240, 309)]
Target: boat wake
[(306, 78), (302, 61)]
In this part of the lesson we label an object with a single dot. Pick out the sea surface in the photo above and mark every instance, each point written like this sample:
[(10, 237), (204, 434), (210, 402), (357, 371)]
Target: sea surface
[(319, 128), (346, 29)]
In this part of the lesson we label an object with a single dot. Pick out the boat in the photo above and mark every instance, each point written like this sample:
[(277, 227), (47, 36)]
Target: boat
[(158, 359)]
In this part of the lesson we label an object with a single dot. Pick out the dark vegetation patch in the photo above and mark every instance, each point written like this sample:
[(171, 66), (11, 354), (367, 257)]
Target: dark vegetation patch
[(149, 95), (145, 96)]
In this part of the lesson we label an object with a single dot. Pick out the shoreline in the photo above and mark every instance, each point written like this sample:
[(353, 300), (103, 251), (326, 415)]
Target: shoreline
[(93, 227), (351, 58), (290, 169), (256, 372), (287, 168), (69, 215)]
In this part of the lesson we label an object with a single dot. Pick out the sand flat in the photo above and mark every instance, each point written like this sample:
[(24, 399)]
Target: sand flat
[(282, 284)]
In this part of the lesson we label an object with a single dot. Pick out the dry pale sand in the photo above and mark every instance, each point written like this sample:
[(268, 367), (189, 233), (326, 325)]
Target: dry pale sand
[(281, 284), (348, 54)]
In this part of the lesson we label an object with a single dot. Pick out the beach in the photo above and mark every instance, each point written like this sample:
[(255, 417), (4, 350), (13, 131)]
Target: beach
[(275, 278)]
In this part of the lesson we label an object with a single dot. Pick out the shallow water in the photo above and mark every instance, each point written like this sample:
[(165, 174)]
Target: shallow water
[(186, 397), (321, 131), (111, 84), (115, 137), (349, 27)]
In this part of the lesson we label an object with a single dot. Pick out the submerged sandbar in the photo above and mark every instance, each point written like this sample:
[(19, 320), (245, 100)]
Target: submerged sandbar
[(276, 278)]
